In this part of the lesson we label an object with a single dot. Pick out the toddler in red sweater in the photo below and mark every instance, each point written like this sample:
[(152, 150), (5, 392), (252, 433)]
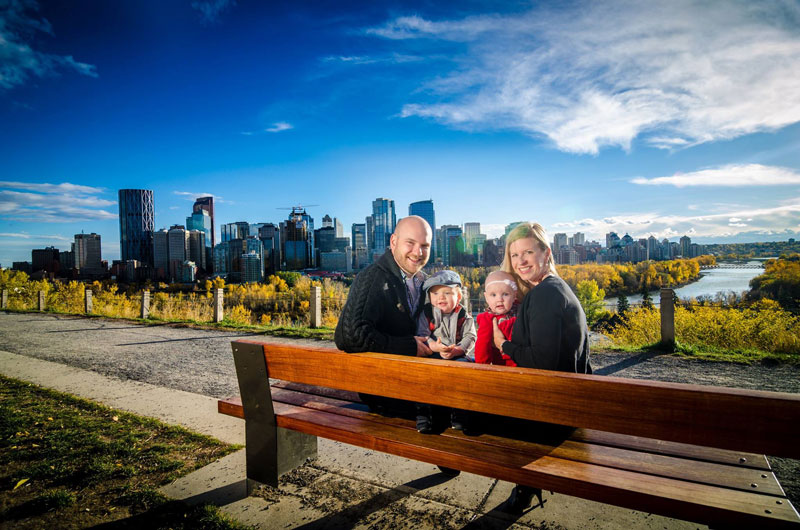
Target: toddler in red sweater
[(500, 291)]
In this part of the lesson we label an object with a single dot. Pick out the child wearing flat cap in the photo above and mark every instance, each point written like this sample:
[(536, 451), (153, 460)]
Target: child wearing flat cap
[(452, 333)]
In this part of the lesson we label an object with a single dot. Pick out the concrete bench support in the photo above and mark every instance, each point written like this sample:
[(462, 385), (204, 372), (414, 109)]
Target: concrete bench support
[(315, 306), (145, 304), (219, 298)]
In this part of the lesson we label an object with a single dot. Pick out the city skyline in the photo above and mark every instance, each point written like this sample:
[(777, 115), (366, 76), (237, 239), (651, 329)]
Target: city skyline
[(657, 124)]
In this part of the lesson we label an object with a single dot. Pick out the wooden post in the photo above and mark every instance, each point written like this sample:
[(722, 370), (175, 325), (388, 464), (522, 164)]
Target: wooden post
[(315, 306), (41, 301), (145, 304), (4, 301), (219, 298), (667, 318), (88, 301), (465, 299)]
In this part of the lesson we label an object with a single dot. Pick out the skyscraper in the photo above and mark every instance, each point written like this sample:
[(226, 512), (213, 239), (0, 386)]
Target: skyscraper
[(297, 237), (87, 254), (197, 248), (136, 224), (383, 220), (161, 254), (201, 220), (425, 210), (471, 231), (206, 204), (178, 249), (359, 242), (270, 236)]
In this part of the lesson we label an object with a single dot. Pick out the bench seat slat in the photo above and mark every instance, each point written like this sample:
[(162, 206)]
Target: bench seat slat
[(638, 443), (654, 494), (666, 466)]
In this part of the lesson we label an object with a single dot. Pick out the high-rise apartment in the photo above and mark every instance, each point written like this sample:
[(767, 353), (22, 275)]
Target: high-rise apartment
[(686, 247), (136, 225), (559, 240)]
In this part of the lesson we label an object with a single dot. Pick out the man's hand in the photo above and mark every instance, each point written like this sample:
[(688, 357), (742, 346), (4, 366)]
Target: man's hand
[(422, 347), (499, 338)]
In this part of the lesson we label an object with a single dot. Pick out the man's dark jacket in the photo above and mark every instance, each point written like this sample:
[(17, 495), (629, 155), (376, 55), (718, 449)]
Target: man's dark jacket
[(376, 316)]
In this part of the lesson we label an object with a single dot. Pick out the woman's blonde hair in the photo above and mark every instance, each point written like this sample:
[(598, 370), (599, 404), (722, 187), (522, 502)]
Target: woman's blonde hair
[(536, 232)]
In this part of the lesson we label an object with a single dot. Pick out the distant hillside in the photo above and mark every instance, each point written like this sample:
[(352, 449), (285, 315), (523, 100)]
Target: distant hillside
[(753, 250)]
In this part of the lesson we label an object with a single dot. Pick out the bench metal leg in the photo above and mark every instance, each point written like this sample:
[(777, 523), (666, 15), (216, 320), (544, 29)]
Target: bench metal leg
[(271, 451)]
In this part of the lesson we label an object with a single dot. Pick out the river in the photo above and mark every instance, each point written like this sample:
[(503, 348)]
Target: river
[(727, 278)]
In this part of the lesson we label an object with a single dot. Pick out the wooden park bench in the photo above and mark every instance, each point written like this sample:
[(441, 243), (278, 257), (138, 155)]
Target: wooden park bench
[(684, 451)]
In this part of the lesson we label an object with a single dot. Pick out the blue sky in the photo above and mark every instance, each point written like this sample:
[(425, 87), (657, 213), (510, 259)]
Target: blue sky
[(682, 118)]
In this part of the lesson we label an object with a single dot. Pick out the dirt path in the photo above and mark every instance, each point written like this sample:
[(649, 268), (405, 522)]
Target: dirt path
[(200, 361)]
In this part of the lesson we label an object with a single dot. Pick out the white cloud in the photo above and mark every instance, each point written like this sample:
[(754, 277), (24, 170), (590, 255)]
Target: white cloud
[(730, 175), (604, 73), (279, 126), (394, 58), (19, 61), (25, 235), (773, 219), (45, 187), (193, 196), (52, 203)]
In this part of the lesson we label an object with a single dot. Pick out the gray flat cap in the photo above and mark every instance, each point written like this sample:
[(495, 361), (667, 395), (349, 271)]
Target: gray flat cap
[(442, 278)]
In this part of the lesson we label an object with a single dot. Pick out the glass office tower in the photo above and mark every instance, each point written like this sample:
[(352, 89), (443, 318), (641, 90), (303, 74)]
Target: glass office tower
[(136, 224)]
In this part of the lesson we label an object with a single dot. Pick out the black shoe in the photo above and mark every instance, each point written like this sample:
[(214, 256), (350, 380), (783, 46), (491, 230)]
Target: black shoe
[(449, 471), (458, 420), (520, 499), (424, 424)]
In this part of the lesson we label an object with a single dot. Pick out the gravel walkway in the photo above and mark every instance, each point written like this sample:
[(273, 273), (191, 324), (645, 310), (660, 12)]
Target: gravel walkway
[(200, 361)]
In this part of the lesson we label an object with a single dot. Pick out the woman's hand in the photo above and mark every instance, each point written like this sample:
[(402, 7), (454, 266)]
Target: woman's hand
[(499, 338)]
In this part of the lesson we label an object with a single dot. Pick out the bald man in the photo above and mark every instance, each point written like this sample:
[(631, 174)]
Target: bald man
[(382, 310)]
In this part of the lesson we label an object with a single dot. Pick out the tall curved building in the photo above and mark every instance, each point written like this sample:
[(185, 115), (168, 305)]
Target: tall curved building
[(136, 225)]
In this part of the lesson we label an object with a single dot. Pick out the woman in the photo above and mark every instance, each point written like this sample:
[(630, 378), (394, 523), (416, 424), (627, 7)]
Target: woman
[(550, 332)]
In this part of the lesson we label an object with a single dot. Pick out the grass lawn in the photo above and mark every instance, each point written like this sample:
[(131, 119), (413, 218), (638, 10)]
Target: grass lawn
[(70, 463)]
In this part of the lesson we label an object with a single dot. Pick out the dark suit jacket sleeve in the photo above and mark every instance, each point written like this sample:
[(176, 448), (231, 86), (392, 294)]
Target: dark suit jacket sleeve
[(359, 327)]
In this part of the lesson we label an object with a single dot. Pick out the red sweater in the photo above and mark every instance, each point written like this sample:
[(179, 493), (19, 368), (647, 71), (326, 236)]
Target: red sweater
[(485, 350)]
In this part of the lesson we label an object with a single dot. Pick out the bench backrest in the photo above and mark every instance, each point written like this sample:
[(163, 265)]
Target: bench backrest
[(726, 418)]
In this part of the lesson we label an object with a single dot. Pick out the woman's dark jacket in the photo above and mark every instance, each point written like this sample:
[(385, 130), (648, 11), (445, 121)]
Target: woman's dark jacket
[(550, 332), (376, 316)]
